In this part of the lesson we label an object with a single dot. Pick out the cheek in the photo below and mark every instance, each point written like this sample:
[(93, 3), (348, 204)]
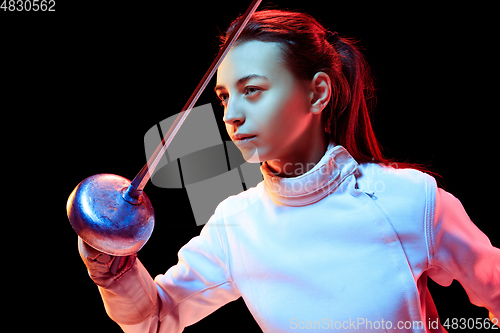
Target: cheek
[(285, 114)]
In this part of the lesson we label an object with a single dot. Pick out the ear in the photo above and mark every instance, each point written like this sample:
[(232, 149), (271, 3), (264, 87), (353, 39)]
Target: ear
[(321, 90)]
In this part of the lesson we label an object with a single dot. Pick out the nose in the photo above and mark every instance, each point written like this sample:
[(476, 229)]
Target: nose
[(233, 114)]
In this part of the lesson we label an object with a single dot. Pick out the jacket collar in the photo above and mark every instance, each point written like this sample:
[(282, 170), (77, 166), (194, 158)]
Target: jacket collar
[(333, 168)]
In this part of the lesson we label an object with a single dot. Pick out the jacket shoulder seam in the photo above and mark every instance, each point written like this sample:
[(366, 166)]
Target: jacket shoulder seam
[(430, 205)]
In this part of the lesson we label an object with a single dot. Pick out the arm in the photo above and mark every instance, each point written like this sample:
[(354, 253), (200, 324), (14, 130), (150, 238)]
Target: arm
[(459, 250), (199, 284)]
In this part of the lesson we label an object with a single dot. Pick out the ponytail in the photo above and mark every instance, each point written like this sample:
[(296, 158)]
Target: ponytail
[(348, 120)]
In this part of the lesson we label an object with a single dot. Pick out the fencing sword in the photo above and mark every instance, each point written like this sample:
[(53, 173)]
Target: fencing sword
[(113, 214)]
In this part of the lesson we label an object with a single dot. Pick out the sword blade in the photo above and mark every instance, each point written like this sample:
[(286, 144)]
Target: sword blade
[(141, 179)]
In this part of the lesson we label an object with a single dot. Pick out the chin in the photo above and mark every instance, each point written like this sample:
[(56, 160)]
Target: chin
[(251, 154)]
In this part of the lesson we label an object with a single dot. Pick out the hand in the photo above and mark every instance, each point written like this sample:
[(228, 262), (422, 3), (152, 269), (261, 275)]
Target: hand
[(103, 268)]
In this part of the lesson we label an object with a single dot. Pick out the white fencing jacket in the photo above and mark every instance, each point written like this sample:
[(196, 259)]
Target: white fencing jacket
[(344, 247)]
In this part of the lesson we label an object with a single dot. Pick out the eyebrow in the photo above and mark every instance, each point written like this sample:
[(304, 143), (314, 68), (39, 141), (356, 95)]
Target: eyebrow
[(243, 80)]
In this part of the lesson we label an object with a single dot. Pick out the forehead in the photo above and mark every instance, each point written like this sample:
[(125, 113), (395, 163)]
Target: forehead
[(252, 57)]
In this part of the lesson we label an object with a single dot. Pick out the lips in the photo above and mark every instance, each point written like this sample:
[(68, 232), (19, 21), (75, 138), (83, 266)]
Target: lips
[(242, 138)]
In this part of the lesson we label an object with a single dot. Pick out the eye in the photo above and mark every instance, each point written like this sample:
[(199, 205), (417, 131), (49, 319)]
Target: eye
[(251, 90), (223, 99)]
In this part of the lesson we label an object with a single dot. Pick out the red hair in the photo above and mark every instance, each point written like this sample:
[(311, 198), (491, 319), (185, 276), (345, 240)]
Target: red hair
[(307, 49)]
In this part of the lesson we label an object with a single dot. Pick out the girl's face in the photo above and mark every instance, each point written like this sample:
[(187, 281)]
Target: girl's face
[(267, 110)]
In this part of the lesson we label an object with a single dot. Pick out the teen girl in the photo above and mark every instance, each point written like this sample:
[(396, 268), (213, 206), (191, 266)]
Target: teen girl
[(316, 239)]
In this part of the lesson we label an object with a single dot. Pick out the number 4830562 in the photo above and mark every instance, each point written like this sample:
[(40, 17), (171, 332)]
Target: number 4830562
[(28, 5)]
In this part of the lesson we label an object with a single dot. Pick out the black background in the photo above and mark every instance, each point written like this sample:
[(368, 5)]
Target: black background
[(82, 85)]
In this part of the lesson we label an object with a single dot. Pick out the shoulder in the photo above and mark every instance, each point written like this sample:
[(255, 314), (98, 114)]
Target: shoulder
[(381, 178), (225, 213), (407, 196), (237, 204)]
